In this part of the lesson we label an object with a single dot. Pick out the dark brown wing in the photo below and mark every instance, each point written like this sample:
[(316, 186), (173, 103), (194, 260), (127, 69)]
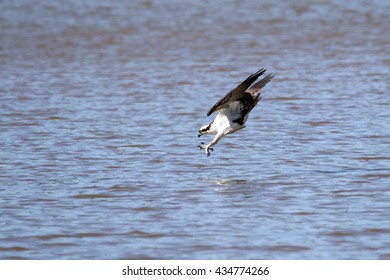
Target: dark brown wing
[(235, 94), (254, 90), (238, 110), (260, 84)]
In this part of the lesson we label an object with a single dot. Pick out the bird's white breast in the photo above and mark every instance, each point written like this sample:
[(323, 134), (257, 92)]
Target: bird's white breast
[(224, 124)]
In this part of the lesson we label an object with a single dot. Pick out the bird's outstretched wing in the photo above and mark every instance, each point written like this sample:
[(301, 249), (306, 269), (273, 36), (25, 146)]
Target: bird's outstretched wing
[(239, 93), (260, 84), (254, 90)]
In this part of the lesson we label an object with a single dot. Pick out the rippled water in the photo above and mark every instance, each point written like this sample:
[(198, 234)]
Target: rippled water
[(99, 112)]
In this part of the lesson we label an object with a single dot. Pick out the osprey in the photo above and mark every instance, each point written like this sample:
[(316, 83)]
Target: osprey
[(233, 109)]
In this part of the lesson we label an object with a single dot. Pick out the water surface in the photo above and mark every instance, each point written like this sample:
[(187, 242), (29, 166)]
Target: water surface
[(100, 104)]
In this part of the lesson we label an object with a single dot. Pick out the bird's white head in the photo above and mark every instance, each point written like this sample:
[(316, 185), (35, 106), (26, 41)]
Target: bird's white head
[(204, 130)]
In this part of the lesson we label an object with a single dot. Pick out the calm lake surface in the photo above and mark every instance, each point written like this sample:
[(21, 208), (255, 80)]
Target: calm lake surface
[(100, 106)]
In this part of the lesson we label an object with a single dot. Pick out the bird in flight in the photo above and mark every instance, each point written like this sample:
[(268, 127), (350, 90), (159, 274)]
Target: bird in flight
[(233, 109)]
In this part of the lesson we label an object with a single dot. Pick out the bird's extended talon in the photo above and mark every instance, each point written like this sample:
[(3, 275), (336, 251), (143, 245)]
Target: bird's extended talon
[(208, 150)]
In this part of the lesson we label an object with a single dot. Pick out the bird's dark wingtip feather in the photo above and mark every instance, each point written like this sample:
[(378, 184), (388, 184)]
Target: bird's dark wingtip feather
[(260, 72)]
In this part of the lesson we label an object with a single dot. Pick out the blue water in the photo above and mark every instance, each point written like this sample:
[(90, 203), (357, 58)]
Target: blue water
[(100, 108)]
